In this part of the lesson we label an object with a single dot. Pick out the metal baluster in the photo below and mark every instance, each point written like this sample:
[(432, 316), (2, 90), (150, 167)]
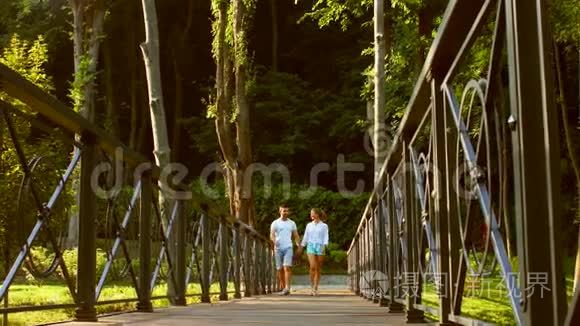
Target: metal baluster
[(144, 304), (205, 263), (224, 241), (87, 250)]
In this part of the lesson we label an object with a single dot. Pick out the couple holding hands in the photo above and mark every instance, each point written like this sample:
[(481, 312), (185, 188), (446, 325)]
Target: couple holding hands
[(283, 230)]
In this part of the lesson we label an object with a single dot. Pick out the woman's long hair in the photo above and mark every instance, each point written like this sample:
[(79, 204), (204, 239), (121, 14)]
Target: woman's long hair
[(320, 213)]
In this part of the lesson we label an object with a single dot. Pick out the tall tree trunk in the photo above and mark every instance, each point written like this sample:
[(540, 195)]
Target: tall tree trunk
[(111, 122), (243, 175), (161, 150), (143, 135), (88, 19), (176, 55), (150, 49), (379, 132), (274, 15), (223, 102), (235, 145), (133, 77), (176, 136), (571, 152)]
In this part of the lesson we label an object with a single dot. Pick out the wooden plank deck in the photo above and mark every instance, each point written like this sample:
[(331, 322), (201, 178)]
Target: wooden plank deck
[(331, 307)]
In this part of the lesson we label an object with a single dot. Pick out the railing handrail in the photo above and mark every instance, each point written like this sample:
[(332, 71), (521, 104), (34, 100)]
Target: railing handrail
[(448, 41)]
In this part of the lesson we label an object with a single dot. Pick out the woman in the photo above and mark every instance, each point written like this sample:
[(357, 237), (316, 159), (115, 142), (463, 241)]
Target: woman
[(315, 240)]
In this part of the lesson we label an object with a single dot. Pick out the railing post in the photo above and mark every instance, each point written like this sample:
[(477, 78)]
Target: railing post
[(274, 271), (368, 263), (144, 304), (237, 262), (535, 141), (412, 276), (267, 268), (360, 262), (264, 264), (370, 266), (247, 264), (205, 262), (440, 201), (375, 253), (87, 259), (381, 218), (457, 266), (224, 243), (394, 306), (273, 275), (177, 246), (356, 265), (256, 273)]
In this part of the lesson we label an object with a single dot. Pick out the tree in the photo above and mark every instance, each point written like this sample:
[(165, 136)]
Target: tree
[(88, 19), (566, 30), (274, 15), (150, 49), (237, 153), (379, 132)]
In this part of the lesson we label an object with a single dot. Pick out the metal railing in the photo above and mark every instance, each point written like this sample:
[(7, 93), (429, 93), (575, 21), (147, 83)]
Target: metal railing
[(198, 242), (465, 169)]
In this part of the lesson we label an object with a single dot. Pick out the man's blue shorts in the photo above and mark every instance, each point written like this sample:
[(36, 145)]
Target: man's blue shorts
[(283, 257), (315, 249)]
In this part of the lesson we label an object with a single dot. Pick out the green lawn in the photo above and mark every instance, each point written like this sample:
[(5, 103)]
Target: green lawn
[(57, 293), (487, 300)]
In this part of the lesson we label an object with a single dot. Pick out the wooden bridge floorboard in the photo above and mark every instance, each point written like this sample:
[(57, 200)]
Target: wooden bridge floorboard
[(331, 307)]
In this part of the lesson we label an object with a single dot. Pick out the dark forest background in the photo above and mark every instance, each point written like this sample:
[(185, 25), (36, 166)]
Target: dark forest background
[(308, 97)]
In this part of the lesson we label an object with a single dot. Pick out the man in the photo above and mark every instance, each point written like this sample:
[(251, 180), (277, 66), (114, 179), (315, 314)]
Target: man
[(282, 231)]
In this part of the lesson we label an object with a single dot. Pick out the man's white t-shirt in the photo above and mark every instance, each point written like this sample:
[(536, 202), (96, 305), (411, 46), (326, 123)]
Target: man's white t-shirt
[(283, 230)]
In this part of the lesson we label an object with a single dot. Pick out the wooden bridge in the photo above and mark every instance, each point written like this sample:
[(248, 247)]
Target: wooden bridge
[(444, 177), (331, 307)]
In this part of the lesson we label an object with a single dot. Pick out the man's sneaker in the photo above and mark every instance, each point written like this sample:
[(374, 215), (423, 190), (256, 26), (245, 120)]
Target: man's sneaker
[(285, 292)]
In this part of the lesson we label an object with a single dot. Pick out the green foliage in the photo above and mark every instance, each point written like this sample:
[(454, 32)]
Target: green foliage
[(29, 18), (28, 59), (326, 12), (293, 113), (83, 77), (343, 211), (337, 255), (565, 18)]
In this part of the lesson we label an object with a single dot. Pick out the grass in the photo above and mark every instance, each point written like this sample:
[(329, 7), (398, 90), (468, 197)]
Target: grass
[(488, 300), (57, 293)]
